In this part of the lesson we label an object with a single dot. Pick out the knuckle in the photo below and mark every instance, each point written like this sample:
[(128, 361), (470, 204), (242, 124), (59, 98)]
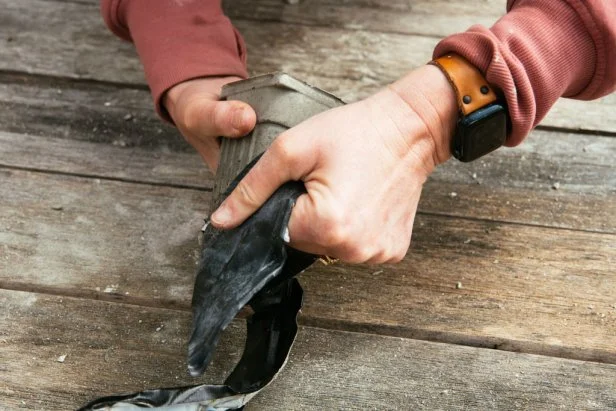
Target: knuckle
[(383, 257), (247, 194), (359, 254), (283, 148), (334, 236), (335, 232), (400, 254)]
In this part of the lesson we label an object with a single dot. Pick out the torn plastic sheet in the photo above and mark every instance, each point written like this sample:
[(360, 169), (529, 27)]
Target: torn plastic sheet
[(270, 330), (252, 265)]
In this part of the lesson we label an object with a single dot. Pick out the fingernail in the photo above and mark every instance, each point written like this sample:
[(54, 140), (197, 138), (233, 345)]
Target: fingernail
[(240, 117), (221, 216)]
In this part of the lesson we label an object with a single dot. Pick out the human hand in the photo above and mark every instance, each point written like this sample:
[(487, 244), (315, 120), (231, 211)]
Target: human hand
[(363, 166), (197, 112)]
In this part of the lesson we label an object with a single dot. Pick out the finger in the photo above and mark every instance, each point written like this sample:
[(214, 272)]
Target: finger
[(274, 168), (211, 156), (208, 149), (314, 230), (210, 118), (400, 253), (318, 226), (303, 227), (379, 258)]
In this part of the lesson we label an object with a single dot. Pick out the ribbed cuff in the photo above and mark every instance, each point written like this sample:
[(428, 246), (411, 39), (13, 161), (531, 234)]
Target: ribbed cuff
[(541, 50)]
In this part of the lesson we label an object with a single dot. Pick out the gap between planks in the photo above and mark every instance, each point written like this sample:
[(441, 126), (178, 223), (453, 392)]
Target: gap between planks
[(579, 130), (8, 76)]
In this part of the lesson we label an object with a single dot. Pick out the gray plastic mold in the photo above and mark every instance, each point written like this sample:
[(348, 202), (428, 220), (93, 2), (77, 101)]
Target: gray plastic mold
[(280, 102)]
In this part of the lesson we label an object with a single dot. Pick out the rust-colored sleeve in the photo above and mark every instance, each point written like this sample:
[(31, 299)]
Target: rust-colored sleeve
[(542, 50), (177, 40)]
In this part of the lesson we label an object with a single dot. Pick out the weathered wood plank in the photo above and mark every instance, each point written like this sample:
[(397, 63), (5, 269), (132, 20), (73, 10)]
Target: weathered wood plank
[(553, 179), (525, 288), (351, 63), (98, 160), (65, 39), (327, 369), (516, 283), (103, 355), (437, 18), (513, 185), (424, 17), (83, 111), (104, 230)]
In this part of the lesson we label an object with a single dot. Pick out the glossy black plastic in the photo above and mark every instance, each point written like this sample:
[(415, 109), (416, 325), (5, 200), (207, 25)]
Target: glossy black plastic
[(249, 264)]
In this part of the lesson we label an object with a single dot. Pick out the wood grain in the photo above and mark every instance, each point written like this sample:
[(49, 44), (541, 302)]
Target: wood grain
[(437, 19), (327, 369), (525, 288), (83, 110), (90, 235), (350, 63), (512, 185), (102, 201), (107, 161)]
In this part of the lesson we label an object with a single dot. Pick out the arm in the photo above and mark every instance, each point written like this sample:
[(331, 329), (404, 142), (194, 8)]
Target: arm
[(542, 50), (364, 164), (188, 49)]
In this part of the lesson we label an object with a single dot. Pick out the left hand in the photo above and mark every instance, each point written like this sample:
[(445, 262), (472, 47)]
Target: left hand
[(363, 166), (196, 110)]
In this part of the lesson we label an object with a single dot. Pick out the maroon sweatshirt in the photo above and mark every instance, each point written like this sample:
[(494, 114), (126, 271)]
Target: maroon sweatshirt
[(539, 51)]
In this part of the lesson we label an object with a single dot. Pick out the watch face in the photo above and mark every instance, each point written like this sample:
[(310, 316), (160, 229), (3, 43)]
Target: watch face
[(480, 133)]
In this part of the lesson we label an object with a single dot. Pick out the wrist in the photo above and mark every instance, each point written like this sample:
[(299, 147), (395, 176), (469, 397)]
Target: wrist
[(427, 92)]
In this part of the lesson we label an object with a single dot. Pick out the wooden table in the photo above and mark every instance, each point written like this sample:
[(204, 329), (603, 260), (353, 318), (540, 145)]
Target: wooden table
[(506, 300)]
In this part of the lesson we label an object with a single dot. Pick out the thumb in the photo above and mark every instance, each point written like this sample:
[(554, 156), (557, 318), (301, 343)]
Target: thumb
[(274, 168), (222, 118)]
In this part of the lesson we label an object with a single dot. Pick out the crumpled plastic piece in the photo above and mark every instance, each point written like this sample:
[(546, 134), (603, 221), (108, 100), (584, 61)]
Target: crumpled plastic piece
[(235, 265), (251, 264), (271, 331)]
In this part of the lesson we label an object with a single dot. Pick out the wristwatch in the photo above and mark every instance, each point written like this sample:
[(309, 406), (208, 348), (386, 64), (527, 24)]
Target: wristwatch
[(483, 118)]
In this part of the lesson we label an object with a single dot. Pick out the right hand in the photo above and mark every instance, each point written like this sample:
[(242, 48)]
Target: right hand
[(195, 109), (363, 166)]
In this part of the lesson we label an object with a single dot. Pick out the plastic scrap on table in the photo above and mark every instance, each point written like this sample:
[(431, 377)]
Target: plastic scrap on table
[(253, 265)]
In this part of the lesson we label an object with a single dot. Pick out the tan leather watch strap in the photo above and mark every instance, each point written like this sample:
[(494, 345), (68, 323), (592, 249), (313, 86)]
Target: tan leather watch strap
[(472, 89)]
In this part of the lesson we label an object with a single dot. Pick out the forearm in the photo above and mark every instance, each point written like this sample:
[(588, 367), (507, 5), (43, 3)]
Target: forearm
[(177, 41), (540, 51)]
